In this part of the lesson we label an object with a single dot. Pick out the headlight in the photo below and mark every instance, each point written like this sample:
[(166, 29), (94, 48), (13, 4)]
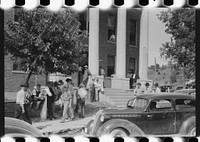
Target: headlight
[(88, 127), (102, 118), (86, 130)]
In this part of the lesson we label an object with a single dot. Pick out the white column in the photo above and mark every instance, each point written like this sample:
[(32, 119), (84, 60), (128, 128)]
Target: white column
[(121, 43), (144, 44), (94, 41)]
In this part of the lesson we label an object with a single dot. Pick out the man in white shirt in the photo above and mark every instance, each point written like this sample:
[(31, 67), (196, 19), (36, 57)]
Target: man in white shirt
[(157, 90), (147, 89), (138, 90), (21, 107)]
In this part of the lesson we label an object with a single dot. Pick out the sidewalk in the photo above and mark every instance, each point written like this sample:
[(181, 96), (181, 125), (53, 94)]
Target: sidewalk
[(55, 127)]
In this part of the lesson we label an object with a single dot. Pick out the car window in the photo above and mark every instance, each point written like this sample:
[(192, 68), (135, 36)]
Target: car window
[(138, 103), (157, 105), (184, 103)]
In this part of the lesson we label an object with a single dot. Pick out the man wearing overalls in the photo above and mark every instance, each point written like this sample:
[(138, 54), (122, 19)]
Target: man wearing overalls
[(21, 107)]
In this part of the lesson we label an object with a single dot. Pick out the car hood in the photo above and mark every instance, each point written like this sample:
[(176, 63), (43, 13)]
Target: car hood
[(122, 111)]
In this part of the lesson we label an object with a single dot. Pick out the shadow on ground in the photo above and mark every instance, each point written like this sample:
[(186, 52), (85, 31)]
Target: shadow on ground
[(90, 110)]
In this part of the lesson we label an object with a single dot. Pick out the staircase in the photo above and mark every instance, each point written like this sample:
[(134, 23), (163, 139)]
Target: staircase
[(118, 97)]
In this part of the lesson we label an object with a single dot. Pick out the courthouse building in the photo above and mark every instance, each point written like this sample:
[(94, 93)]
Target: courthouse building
[(118, 41)]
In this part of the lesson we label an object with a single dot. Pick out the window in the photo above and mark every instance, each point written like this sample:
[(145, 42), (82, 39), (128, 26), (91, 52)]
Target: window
[(17, 66), (138, 103), (133, 32), (160, 105), (112, 27), (181, 104), (83, 20)]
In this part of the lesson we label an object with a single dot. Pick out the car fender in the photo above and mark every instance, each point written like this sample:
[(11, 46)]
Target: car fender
[(130, 128), (187, 124)]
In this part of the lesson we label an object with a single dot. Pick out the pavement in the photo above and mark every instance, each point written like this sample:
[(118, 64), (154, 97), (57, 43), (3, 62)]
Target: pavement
[(70, 128), (55, 127)]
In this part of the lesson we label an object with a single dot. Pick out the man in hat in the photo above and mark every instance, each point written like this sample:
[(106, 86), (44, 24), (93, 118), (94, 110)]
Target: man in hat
[(50, 101), (71, 89), (92, 87), (157, 90), (138, 90), (130, 76), (37, 97), (86, 75), (81, 96), (147, 88), (21, 107)]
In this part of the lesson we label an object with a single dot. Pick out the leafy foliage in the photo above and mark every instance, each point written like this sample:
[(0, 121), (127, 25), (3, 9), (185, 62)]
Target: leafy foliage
[(46, 42), (180, 24)]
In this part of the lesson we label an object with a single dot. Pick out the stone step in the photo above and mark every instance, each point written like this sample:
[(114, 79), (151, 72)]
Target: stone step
[(117, 90), (118, 97), (118, 93), (121, 105), (121, 100)]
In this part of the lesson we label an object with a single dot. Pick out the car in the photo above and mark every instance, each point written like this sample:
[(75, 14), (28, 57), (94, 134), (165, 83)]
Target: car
[(187, 91), (18, 128), (147, 114), (179, 87), (164, 88)]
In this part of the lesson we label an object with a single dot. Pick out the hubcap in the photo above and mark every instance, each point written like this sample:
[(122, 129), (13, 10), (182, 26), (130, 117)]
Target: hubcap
[(118, 133)]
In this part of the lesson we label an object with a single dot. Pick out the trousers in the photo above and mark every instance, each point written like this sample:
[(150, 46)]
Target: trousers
[(23, 116)]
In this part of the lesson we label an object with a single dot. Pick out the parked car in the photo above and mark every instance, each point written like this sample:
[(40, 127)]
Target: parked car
[(148, 114), (187, 91), (179, 87), (18, 128), (164, 88)]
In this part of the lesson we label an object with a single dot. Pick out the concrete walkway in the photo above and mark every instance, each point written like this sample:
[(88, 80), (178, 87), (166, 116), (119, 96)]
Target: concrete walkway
[(54, 126)]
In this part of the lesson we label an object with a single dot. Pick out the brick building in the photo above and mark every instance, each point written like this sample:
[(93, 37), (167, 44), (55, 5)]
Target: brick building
[(115, 40)]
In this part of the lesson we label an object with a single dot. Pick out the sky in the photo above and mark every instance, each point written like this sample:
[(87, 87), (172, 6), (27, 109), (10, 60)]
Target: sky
[(157, 36)]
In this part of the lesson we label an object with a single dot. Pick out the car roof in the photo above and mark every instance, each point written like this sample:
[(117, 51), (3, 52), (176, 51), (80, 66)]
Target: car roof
[(164, 95)]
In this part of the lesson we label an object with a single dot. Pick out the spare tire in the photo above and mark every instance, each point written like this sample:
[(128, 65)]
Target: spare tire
[(189, 127)]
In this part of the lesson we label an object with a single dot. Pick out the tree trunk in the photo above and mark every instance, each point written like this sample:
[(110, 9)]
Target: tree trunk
[(46, 78), (29, 76)]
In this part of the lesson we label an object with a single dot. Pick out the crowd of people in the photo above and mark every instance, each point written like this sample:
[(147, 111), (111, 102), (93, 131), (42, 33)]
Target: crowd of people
[(43, 98), (71, 100), (147, 89)]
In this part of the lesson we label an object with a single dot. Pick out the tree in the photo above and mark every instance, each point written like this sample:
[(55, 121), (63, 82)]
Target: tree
[(180, 24), (46, 42)]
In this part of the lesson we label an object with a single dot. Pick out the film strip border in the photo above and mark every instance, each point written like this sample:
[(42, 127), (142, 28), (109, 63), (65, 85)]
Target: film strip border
[(102, 139), (103, 4)]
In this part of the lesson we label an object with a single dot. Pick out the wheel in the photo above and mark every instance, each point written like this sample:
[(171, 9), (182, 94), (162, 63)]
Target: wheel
[(189, 128), (119, 132)]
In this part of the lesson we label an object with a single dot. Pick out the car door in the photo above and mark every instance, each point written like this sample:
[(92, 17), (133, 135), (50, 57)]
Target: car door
[(159, 120)]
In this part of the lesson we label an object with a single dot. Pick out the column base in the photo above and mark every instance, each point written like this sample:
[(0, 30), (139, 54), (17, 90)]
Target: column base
[(120, 83)]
